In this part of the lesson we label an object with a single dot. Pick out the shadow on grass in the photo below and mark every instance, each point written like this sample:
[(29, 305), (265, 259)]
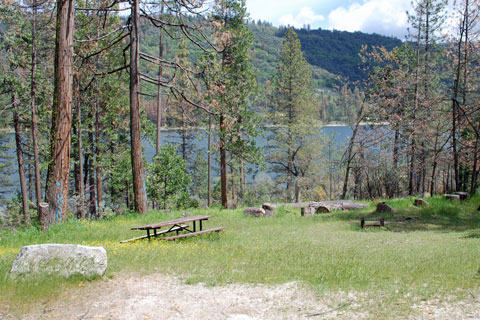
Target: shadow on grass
[(439, 215)]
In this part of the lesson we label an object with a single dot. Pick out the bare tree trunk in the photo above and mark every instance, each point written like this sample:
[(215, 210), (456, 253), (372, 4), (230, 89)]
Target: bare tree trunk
[(80, 182), (159, 87), (184, 138), (21, 167), (209, 196), (473, 182), (38, 194), (139, 187), (350, 154), (223, 163), (91, 185), (59, 164), (97, 164), (232, 183), (242, 179)]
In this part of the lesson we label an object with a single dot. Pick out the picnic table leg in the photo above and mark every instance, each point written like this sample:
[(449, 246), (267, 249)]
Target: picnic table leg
[(154, 232), (194, 226), (148, 234), (200, 225)]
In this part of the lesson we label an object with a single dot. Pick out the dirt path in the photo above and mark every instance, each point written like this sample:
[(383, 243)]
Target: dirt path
[(159, 296)]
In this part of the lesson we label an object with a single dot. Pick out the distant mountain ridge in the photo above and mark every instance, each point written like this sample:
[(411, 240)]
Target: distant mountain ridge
[(334, 52)]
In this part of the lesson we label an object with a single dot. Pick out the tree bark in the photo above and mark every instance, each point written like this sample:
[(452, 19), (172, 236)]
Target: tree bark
[(473, 182), (80, 183), (38, 194), (159, 87), (209, 196), (223, 163), (98, 175), (21, 167), (59, 164), (139, 187)]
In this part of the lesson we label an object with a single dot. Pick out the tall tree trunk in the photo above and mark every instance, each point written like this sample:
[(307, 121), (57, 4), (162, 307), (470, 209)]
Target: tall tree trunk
[(461, 41), (38, 194), (223, 163), (91, 172), (350, 149), (139, 187), (232, 183), (21, 167), (80, 182), (209, 182), (98, 162), (184, 138), (242, 179), (91, 186), (159, 87), (59, 164), (412, 174), (473, 182), (396, 142)]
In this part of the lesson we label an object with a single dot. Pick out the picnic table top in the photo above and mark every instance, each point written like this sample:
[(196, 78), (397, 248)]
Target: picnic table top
[(172, 222)]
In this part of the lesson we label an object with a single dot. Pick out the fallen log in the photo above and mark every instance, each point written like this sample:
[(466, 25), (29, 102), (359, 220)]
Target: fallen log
[(327, 206)]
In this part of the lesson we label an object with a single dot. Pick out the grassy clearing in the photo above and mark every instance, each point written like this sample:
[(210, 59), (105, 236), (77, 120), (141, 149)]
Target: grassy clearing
[(436, 253)]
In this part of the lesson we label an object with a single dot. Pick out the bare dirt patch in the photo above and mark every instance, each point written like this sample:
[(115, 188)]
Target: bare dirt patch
[(159, 296)]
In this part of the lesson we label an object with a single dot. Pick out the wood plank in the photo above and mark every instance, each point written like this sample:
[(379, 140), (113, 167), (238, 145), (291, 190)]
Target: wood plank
[(158, 233), (172, 222), (133, 239), (194, 233)]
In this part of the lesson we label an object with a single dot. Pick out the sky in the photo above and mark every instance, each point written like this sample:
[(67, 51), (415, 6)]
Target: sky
[(387, 17)]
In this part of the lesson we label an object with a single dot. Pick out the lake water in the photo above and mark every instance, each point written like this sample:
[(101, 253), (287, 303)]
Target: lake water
[(340, 134)]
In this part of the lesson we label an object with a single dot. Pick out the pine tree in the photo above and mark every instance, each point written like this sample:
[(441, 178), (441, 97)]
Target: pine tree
[(293, 150), (231, 81)]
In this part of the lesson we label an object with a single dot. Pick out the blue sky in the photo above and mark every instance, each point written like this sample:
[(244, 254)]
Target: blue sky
[(387, 17)]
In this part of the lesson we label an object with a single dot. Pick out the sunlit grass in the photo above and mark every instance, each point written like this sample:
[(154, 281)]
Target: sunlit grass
[(437, 252)]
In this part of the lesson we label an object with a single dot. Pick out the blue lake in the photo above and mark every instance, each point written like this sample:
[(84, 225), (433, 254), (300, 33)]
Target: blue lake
[(199, 141)]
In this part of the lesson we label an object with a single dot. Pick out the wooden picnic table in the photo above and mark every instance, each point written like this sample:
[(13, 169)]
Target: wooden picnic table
[(176, 226)]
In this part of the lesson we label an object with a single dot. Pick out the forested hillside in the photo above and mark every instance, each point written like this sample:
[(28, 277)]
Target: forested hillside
[(330, 53)]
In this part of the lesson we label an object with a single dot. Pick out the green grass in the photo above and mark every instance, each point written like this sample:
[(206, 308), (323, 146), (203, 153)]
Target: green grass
[(436, 253)]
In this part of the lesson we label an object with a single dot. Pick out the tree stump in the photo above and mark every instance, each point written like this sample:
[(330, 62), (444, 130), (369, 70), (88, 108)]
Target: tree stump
[(420, 202), (382, 207), (254, 212), (269, 209)]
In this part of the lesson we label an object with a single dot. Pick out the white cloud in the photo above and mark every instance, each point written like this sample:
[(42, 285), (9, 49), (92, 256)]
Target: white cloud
[(304, 17), (372, 16)]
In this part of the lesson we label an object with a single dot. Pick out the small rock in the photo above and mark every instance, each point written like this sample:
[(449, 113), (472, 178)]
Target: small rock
[(254, 212), (382, 207), (420, 202), (59, 259), (426, 195)]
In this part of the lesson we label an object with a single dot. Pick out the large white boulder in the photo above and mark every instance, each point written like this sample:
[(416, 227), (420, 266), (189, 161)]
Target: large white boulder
[(59, 259)]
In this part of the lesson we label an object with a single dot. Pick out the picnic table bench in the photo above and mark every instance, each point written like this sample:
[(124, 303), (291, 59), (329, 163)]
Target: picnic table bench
[(176, 226)]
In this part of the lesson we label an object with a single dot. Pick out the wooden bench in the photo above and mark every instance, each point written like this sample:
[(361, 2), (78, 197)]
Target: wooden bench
[(180, 228), (193, 233)]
